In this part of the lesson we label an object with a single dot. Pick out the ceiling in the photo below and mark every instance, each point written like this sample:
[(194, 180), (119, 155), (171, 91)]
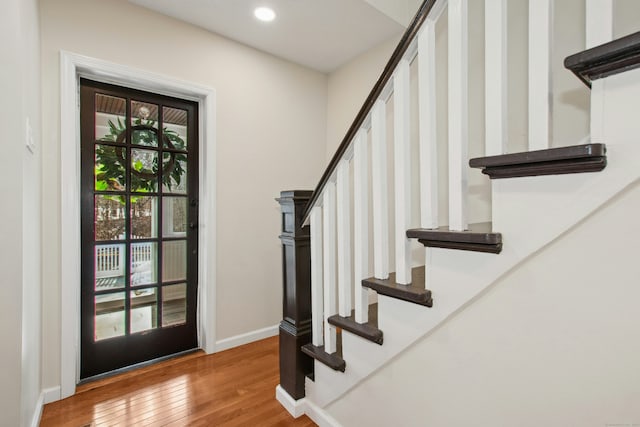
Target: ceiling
[(319, 34)]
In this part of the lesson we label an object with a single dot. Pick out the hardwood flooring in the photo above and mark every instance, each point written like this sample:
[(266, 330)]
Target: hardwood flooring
[(231, 388)]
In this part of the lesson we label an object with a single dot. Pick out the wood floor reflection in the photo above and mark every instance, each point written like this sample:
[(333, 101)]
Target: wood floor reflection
[(231, 388)]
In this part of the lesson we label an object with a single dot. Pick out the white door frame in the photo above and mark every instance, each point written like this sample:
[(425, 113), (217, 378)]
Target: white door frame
[(72, 67)]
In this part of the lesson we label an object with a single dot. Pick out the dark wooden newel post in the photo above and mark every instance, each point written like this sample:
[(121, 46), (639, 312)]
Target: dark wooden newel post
[(295, 328)]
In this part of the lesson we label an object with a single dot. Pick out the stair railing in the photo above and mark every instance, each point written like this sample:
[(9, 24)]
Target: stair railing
[(339, 264)]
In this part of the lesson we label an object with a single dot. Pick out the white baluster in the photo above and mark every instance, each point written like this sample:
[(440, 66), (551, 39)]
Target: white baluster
[(402, 168), (599, 30), (428, 126), (361, 225), (329, 259), (458, 113), (344, 239), (540, 39), (317, 283), (495, 77), (380, 196)]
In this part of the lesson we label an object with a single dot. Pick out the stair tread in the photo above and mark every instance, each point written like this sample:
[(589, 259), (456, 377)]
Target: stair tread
[(368, 330), (607, 59), (332, 360), (552, 161), (479, 238), (415, 292), (477, 233)]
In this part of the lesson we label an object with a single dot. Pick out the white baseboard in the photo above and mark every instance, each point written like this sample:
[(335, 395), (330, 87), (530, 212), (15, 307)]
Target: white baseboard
[(298, 408), (319, 415), (294, 407), (51, 394), (37, 413), (247, 338)]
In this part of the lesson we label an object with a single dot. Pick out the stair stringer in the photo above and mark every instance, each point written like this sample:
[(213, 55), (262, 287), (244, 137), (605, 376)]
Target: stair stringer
[(530, 213)]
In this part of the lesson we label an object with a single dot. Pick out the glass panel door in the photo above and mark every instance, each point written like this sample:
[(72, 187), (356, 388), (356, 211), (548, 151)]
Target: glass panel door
[(139, 226)]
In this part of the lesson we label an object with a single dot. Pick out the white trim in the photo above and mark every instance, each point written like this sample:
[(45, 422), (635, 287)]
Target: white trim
[(73, 66), (319, 415), (51, 394), (247, 338), (298, 408), (293, 407), (37, 412)]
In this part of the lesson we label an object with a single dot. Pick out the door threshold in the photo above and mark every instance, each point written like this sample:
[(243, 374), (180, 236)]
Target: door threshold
[(100, 380)]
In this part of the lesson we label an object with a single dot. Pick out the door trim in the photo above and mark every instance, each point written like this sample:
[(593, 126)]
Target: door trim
[(72, 67)]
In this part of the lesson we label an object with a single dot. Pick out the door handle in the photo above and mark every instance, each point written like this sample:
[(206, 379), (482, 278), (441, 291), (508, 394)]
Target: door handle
[(193, 225)]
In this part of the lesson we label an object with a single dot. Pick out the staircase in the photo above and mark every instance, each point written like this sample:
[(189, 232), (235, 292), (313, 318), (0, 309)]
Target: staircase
[(409, 226)]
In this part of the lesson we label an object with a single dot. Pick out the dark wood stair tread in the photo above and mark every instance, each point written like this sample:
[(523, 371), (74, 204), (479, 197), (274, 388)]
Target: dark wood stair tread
[(479, 238), (367, 330), (415, 292), (332, 360), (607, 59), (552, 161)]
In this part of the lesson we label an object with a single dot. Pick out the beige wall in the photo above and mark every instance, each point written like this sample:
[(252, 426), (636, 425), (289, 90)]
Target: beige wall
[(349, 87), (553, 343), (402, 11), (20, 290), (271, 117)]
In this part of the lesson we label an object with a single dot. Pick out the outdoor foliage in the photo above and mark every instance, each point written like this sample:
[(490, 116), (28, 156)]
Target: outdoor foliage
[(110, 160)]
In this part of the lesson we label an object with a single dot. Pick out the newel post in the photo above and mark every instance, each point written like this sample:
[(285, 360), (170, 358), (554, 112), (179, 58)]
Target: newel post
[(295, 328)]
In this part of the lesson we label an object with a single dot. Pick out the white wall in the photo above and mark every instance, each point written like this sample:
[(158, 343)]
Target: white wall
[(271, 117), (553, 343), (20, 290)]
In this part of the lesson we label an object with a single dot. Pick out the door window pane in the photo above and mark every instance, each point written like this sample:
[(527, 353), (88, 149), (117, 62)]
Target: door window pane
[(174, 260), (144, 113), (144, 263), (174, 169), (144, 122), (144, 217), (109, 267), (175, 128), (174, 304), (144, 310), (109, 320), (111, 118), (144, 135), (109, 168), (174, 216), (144, 170), (110, 216)]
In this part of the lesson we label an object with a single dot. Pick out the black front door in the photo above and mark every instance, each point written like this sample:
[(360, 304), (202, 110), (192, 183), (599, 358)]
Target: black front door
[(139, 211)]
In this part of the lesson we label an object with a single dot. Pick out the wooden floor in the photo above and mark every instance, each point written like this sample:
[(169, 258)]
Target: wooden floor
[(231, 388)]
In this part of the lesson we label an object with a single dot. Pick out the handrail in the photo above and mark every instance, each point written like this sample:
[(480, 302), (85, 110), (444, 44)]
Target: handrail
[(375, 93)]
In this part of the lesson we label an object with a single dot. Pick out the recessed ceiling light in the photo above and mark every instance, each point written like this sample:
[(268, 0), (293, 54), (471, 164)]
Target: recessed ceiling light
[(264, 14)]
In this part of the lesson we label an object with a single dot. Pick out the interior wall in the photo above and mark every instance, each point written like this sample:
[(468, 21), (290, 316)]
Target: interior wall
[(20, 188), (571, 97), (270, 133), (553, 343), (348, 88), (11, 225), (401, 11)]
